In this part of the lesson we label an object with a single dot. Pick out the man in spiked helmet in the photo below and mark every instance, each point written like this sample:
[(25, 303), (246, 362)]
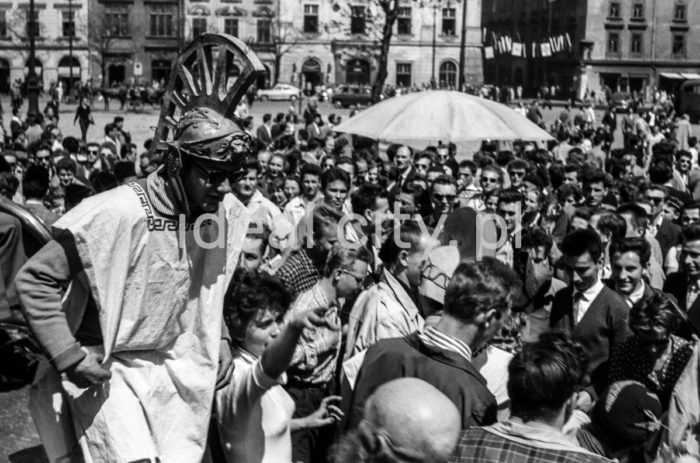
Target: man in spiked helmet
[(135, 352)]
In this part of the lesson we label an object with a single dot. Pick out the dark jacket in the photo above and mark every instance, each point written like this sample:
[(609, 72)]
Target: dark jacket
[(264, 136), (400, 181), (677, 286), (602, 327), (668, 235), (448, 371)]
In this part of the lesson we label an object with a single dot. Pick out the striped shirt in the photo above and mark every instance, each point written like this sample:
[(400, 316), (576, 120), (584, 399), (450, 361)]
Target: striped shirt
[(434, 338)]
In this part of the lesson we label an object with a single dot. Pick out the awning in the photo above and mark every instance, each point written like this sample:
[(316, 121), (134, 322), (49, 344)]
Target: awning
[(672, 75), (691, 75), (311, 66)]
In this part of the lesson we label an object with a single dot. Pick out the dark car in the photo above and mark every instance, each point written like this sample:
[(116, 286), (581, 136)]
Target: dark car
[(621, 101), (352, 96)]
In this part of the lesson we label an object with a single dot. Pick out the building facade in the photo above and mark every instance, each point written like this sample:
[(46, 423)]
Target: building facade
[(616, 45), (56, 21), (134, 41), (315, 42)]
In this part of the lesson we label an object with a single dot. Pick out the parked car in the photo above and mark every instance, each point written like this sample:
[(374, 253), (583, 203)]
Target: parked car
[(352, 96), (280, 92)]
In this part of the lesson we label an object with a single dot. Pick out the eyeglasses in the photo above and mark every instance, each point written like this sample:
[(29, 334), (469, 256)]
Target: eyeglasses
[(517, 173), (489, 180), (422, 166), (441, 198), (214, 176), (358, 279), (655, 199), (92, 151)]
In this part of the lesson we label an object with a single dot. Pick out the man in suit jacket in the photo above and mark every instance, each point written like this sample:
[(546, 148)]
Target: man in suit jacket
[(629, 257), (264, 132), (666, 232), (593, 314), (278, 127), (404, 163), (685, 284), (313, 129)]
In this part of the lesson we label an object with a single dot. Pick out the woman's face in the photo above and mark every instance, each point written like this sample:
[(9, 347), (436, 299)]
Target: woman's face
[(279, 197), (328, 163), (291, 189), (275, 166), (532, 202), (373, 175), (261, 330), (491, 204)]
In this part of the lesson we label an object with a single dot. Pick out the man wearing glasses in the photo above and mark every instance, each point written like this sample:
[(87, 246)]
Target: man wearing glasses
[(517, 169), (443, 194), (141, 358), (490, 179), (666, 232)]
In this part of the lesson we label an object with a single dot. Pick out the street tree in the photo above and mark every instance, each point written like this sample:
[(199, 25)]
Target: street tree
[(102, 37)]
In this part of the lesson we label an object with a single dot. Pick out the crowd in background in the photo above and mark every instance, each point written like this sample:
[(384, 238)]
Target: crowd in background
[(545, 296)]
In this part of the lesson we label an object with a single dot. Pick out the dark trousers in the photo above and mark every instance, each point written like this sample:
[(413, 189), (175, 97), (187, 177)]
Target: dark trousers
[(84, 124), (308, 445)]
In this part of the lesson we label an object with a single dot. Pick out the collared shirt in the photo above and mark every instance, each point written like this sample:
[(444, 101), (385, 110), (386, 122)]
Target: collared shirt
[(434, 338), (317, 351), (514, 440), (583, 302), (692, 293), (636, 295)]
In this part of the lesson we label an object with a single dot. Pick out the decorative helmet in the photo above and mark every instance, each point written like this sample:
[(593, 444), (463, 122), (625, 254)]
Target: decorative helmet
[(197, 118)]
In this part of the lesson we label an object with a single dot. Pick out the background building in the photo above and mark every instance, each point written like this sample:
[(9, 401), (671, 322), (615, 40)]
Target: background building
[(134, 40), (312, 42), (57, 20), (616, 45)]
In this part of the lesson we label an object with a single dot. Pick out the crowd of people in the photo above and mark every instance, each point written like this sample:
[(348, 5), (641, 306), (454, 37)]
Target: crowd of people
[(531, 303)]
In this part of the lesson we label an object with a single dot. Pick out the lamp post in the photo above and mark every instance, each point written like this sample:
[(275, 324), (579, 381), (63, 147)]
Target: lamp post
[(71, 31), (32, 78), (433, 82), (462, 47)]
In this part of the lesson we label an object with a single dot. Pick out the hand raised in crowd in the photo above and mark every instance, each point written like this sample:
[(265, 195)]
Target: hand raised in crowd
[(88, 372), (327, 413)]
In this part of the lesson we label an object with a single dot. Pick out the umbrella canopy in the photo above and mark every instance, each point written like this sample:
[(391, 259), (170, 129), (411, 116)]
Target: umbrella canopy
[(423, 118)]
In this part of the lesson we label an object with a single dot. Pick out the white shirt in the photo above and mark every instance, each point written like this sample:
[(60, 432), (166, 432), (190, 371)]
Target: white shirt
[(254, 415), (636, 295), (584, 304)]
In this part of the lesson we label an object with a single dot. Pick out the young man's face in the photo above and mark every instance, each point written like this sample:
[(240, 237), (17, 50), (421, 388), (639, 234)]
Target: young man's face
[(516, 175), (510, 214), (335, 193), (489, 181), (251, 255), (466, 177), (43, 158), (627, 271), (657, 200), (311, 185), (689, 217), (444, 198), (582, 270), (66, 177), (422, 165), (594, 193), (571, 178), (690, 258), (683, 164)]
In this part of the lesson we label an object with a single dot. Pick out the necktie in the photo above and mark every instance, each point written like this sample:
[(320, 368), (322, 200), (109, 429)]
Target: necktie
[(693, 292)]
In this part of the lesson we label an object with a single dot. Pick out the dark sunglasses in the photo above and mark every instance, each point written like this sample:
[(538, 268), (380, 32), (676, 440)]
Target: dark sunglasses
[(489, 180), (441, 198), (517, 174), (655, 200), (217, 176)]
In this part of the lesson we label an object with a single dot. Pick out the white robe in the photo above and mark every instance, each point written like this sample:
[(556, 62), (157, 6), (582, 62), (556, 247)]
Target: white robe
[(160, 300)]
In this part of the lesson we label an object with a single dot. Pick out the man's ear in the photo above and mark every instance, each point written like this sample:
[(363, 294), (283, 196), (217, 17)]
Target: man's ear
[(369, 215), (403, 258)]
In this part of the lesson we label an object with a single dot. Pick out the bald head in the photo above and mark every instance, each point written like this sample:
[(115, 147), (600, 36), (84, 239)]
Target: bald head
[(405, 420)]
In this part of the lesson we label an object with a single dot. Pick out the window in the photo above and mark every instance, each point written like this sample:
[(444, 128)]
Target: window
[(614, 10), (679, 13), (116, 21), (613, 43), (449, 24), (199, 27), (638, 10), (404, 20), (357, 20), (311, 19), (636, 44), (161, 21), (36, 31), (264, 32), (231, 26), (448, 74), (68, 23), (678, 48), (3, 23), (403, 74)]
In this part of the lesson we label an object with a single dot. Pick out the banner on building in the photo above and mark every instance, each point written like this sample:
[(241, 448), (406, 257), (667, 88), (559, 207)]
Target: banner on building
[(517, 49)]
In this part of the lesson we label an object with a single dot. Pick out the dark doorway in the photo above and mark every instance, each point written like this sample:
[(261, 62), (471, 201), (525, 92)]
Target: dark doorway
[(357, 72), (4, 76), (160, 71), (116, 74), (64, 72), (263, 81), (311, 71)]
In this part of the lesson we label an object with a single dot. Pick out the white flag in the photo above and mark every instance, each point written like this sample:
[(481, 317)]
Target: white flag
[(517, 49), (568, 41), (488, 52), (546, 49)]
